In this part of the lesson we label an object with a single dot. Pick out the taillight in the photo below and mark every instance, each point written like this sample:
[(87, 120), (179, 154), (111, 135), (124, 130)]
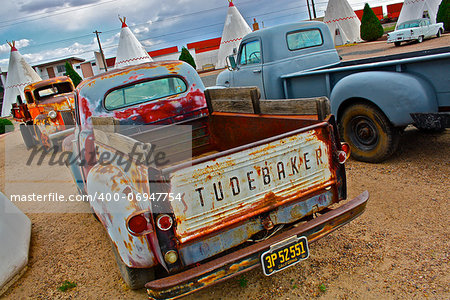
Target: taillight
[(344, 154), (164, 222), (137, 224), (171, 257)]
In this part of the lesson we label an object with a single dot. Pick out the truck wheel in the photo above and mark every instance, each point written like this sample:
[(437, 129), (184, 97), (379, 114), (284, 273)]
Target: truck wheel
[(397, 44), (27, 136), (439, 33), (420, 39), (133, 277), (369, 133)]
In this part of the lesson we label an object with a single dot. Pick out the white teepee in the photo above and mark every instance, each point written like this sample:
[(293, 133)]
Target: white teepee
[(416, 9), (20, 74), (130, 51), (234, 30), (342, 22)]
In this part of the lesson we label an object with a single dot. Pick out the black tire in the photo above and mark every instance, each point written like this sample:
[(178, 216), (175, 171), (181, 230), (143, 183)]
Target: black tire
[(27, 136), (371, 136), (133, 277), (439, 33), (420, 39), (397, 44)]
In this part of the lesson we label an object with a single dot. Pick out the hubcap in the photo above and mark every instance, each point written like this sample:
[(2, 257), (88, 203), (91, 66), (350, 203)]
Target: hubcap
[(364, 133)]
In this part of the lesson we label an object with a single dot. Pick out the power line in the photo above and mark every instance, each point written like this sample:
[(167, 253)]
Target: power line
[(168, 19)]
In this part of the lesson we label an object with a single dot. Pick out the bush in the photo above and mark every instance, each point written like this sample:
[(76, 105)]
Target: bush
[(443, 14), (4, 126), (76, 79), (187, 57), (371, 29)]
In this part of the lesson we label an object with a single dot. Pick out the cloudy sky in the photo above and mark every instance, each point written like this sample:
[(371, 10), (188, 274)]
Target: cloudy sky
[(47, 30)]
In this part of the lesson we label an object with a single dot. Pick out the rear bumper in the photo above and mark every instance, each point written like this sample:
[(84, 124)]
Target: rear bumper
[(437, 120), (248, 258)]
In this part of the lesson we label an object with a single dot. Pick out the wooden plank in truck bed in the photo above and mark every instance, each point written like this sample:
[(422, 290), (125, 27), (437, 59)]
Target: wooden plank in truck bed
[(247, 100)]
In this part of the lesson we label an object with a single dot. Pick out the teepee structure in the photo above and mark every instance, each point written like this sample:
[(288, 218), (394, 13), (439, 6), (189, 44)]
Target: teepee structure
[(342, 22), (416, 9), (234, 30), (130, 51), (20, 74)]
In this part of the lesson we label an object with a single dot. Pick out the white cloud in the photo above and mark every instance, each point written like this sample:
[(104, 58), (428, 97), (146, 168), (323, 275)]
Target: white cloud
[(5, 48)]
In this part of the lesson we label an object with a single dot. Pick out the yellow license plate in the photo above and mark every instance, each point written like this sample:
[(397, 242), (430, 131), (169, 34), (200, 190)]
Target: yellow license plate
[(284, 254)]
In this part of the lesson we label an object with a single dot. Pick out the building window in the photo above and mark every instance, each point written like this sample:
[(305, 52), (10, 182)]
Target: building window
[(78, 67), (61, 68), (94, 64)]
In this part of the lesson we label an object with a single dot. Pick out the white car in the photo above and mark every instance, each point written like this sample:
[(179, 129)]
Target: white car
[(419, 30)]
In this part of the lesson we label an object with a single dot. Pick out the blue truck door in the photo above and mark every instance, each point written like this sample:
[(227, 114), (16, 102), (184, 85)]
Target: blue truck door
[(250, 66)]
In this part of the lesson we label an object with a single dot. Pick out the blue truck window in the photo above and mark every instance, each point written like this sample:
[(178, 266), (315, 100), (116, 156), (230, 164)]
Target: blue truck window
[(304, 39), (251, 53), (144, 92)]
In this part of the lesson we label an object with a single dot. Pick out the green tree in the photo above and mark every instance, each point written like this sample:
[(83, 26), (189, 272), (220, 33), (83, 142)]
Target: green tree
[(443, 14), (6, 126), (187, 57), (76, 79), (371, 29)]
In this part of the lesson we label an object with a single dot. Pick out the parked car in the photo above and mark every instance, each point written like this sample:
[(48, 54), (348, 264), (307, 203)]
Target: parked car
[(373, 99), (415, 30), (48, 114), (255, 188)]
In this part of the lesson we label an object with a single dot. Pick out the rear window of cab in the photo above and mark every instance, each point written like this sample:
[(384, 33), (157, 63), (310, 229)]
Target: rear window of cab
[(143, 92), (302, 39)]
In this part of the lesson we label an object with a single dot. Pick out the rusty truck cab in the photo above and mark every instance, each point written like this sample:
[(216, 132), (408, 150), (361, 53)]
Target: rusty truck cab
[(50, 104)]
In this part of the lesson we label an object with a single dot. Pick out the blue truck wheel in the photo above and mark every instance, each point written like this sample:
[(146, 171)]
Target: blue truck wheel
[(369, 133)]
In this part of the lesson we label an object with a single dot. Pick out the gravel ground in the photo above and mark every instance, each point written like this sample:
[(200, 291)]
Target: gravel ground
[(398, 249)]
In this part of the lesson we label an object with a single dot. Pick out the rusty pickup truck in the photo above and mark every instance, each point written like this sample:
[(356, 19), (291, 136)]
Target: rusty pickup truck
[(196, 187), (48, 114)]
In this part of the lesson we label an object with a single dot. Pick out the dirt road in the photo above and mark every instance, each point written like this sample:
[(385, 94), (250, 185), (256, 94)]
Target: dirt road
[(398, 249)]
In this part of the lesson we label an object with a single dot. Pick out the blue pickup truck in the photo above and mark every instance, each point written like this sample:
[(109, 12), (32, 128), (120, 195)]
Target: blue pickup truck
[(373, 99)]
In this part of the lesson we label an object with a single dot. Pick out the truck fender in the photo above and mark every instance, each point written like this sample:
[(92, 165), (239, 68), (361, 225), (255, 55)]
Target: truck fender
[(108, 187), (396, 94)]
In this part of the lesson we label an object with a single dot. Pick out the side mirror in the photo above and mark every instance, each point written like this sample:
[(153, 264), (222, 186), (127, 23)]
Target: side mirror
[(231, 63)]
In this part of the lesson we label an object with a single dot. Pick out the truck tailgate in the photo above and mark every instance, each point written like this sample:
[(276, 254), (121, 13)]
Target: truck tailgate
[(233, 186)]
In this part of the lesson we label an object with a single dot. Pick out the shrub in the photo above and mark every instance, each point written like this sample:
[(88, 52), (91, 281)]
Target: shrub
[(4, 126), (187, 57), (443, 14), (371, 29), (76, 79)]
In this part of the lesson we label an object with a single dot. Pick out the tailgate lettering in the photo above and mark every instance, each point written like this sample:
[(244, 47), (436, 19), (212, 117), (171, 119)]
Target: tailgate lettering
[(280, 168), (199, 190), (234, 181), (250, 180), (266, 175), (306, 161), (221, 191)]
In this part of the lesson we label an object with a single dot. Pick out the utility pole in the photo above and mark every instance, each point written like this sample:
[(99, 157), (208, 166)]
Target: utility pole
[(314, 9), (309, 9), (101, 51)]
